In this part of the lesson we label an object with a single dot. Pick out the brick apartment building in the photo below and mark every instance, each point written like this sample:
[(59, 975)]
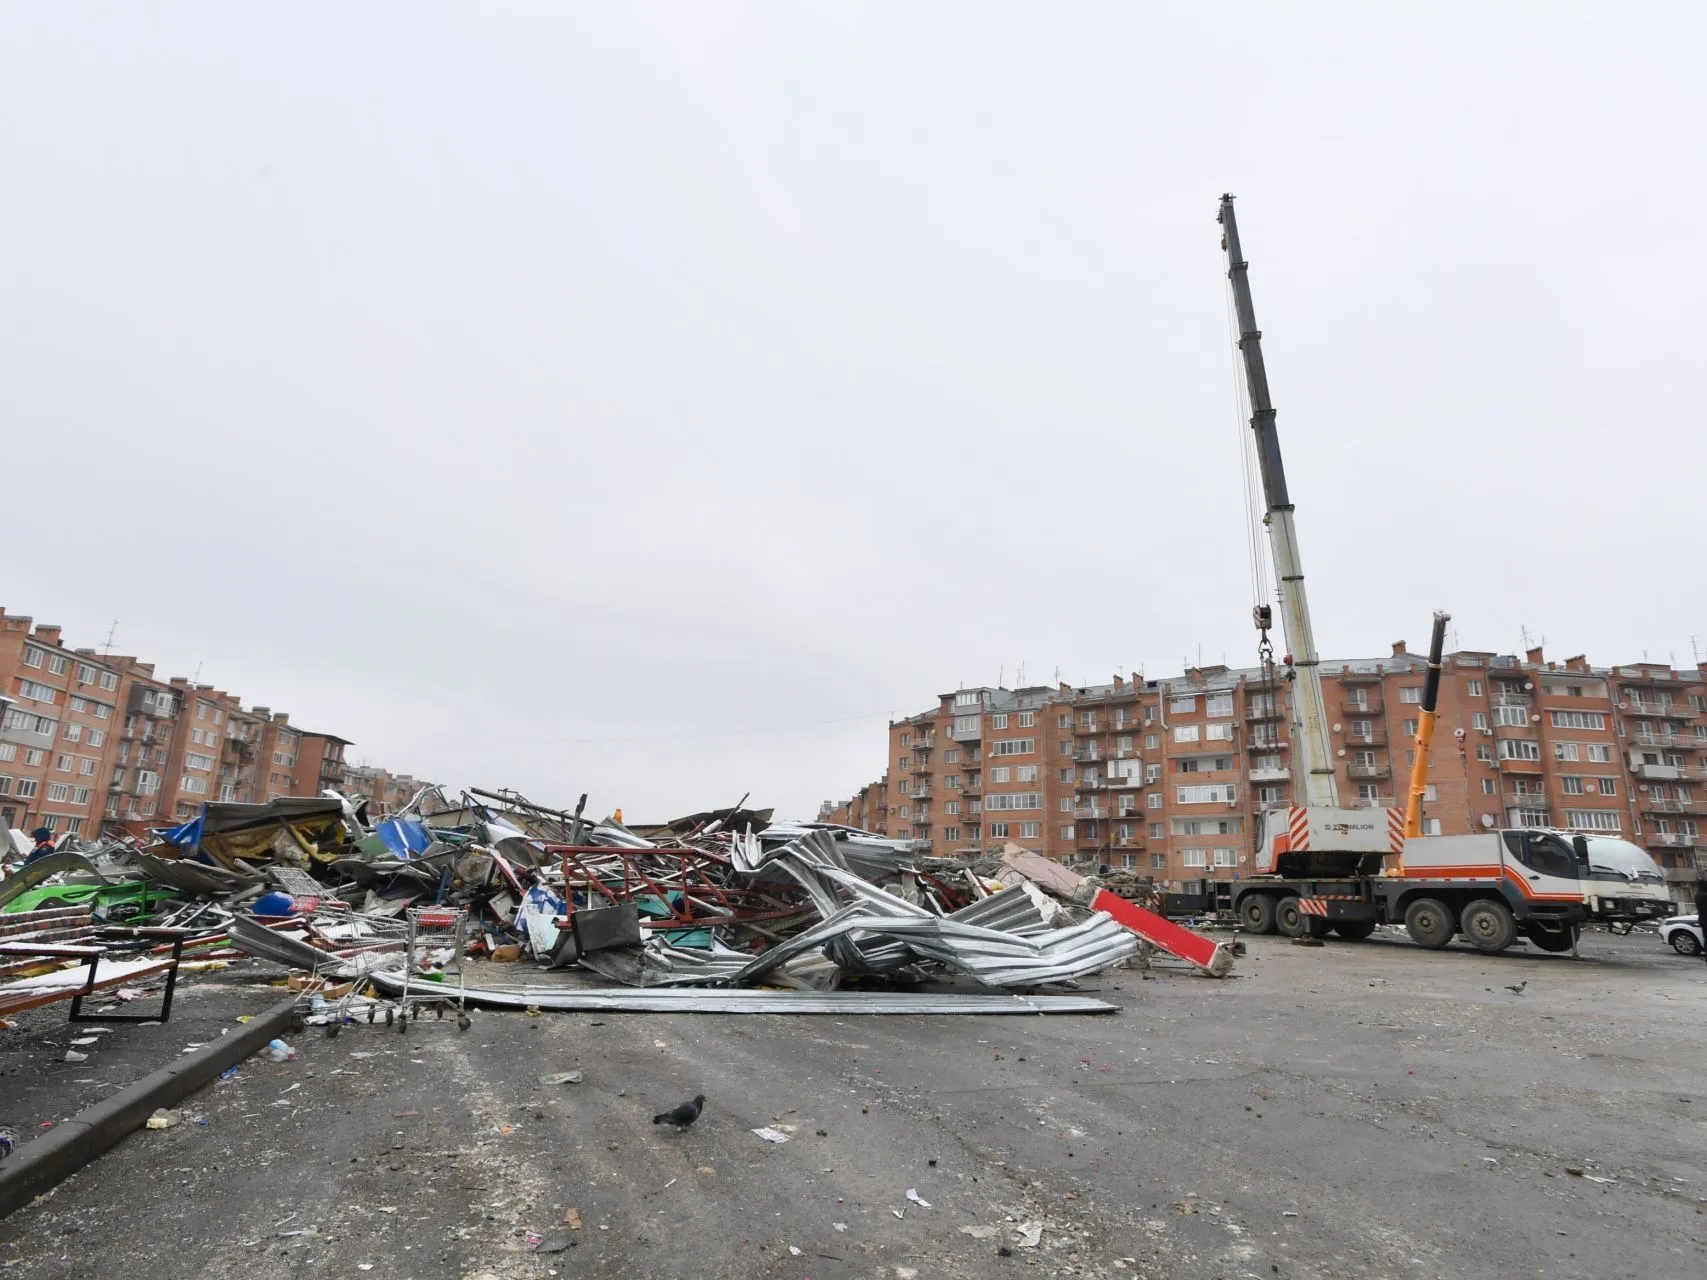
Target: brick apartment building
[(94, 742), (386, 792), (1167, 777)]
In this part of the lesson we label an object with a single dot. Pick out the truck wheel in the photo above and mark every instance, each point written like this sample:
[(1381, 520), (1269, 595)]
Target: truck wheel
[(1554, 940), (1256, 913), (1289, 917), (1489, 925), (1429, 922), (1354, 930)]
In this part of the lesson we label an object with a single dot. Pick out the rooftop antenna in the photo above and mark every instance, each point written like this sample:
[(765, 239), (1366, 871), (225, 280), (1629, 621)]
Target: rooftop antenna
[(107, 648), (1001, 676), (1695, 648), (1019, 677), (197, 678), (1524, 631)]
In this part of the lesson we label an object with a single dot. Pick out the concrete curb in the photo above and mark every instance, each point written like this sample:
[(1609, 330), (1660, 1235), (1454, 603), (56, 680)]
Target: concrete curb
[(43, 1164)]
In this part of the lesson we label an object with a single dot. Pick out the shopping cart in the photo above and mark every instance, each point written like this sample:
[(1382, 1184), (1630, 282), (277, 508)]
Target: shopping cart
[(435, 950)]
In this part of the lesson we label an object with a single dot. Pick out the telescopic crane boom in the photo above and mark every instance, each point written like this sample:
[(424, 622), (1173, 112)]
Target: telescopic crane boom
[(1312, 757)]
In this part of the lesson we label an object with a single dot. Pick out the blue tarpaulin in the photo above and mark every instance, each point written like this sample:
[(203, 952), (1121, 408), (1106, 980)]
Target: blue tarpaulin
[(187, 836)]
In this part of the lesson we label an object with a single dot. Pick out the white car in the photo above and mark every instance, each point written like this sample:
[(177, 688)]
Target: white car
[(1683, 933)]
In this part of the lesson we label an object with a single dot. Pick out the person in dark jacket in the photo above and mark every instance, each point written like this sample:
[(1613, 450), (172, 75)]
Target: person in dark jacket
[(44, 845), (1701, 910)]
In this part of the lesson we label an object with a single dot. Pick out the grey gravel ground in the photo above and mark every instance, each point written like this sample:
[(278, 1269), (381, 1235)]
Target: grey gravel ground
[(1362, 1110)]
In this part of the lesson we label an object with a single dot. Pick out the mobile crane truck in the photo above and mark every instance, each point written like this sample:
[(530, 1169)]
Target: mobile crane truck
[(1321, 868)]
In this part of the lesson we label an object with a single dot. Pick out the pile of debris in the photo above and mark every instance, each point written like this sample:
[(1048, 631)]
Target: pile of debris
[(726, 910)]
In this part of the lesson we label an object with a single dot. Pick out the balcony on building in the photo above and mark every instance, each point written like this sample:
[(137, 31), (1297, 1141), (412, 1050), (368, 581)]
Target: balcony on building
[(922, 766), (1658, 710), (1527, 767), (1087, 751), (1366, 802), (149, 702), (1124, 780), (1666, 738), (973, 731), (1359, 709), (1374, 738), (1345, 675), (1270, 773), (973, 785), (1368, 772), (1661, 772), (919, 793), (1672, 839), (1657, 679), (1089, 813), (1648, 805), (1260, 711)]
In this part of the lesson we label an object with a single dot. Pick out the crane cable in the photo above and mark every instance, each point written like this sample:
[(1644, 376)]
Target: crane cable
[(1256, 549)]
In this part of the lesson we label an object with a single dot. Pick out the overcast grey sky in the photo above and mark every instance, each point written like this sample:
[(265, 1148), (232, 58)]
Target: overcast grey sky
[(651, 399)]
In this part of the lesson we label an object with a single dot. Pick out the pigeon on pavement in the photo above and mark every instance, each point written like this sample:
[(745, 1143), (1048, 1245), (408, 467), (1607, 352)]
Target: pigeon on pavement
[(1518, 989), (683, 1115)]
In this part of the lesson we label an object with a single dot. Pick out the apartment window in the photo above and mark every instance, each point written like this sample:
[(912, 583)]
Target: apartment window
[(1014, 800), (1478, 719), (1195, 857), (1064, 720), (1567, 751), (1066, 745), (86, 766), (193, 760), (80, 795), (1368, 792), (58, 793), (1066, 804), (1517, 716), (78, 704), (1025, 773), (1156, 831), (1608, 786), (1593, 820), (1153, 800), (1182, 706), (109, 681), (1213, 794), (905, 764), (1067, 831), (1087, 719), (1208, 826), (288, 761), (951, 834), (1226, 857), (1013, 746), (1186, 732), (998, 830), (102, 711), (62, 763), (951, 756), (1030, 830), (1152, 773), (201, 711), (1000, 773), (951, 806), (26, 788), (1268, 795), (1519, 749), (953, 782), (1410, 729), (903, 739), (1158, 862), (1473, 688), (228, 793), (73, 732), (1488, 787), (1027, 719), (8, 751), (1578, 720), (1152, 741), (59, 664), (85, 673), (1067, 774), (1123, 743), (1485, 753), (34, 756), (999, 722), (5, 785), (1363, 759), (34, 657), (1364, 729), (967, 698), (1431, 826), (1572, 786), (1222, 732), (1600, 753), (1218, 704), (1431, 793), (37, 691)]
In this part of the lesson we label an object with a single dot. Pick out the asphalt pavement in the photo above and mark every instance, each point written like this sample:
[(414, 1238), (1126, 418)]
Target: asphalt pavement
[(1358, 1109)]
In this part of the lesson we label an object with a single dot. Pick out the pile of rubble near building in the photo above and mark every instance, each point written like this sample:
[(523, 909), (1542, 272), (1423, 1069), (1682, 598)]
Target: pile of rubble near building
[(724, 911)]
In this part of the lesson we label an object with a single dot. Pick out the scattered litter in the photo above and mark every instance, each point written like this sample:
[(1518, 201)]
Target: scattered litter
[(1589, 1177), (793, 1252), (562, 1077), (771, 1135), (1028, 1235), (164, 1119), (71, 1055), (978, 1232), (840, 1226), (572, 1219), (81, 1040), (279, 1051), (916, 1198)]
